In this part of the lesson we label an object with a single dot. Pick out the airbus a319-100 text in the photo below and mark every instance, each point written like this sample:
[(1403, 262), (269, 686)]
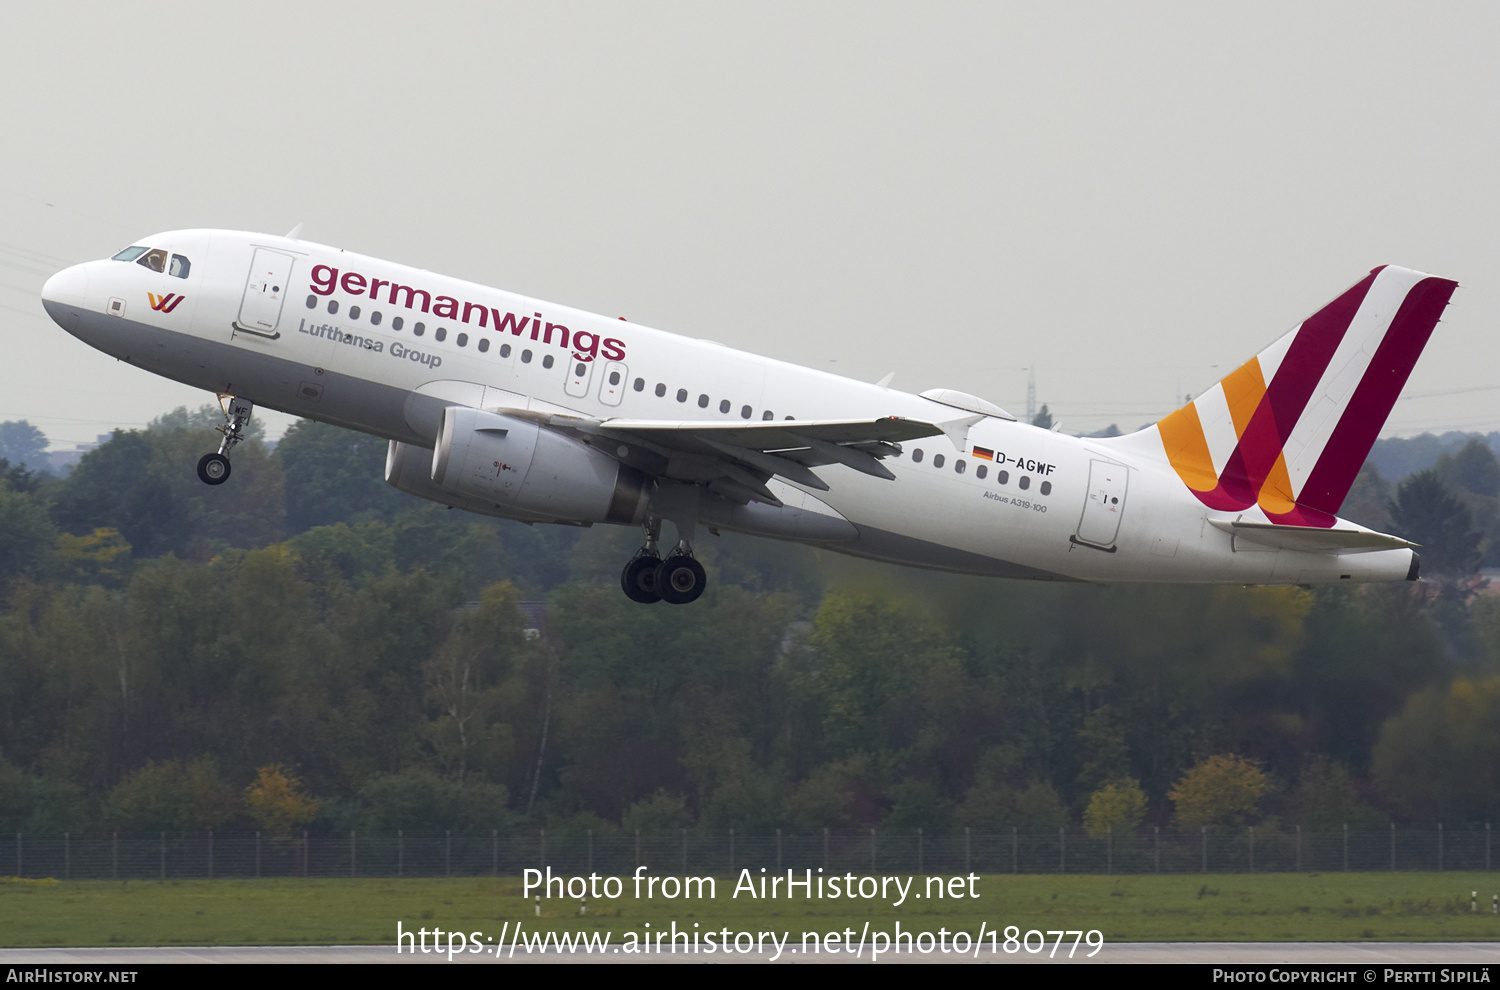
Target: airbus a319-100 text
[(509, 406)]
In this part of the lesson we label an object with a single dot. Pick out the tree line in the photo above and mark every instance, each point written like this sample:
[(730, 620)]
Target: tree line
[(308, 643)]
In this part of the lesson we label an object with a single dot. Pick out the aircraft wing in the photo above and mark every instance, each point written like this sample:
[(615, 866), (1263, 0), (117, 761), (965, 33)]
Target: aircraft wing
[(736, 459), (1311, 539)]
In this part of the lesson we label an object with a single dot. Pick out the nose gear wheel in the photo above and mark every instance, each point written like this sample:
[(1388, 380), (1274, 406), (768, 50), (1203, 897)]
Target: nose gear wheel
[(213, 469)]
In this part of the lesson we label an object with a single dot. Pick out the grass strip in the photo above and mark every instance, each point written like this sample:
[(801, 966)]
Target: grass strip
[(1215, 907)]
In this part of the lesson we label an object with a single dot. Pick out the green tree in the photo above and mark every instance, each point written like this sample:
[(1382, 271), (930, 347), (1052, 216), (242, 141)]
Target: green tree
[(1426, 513), (660, 812), (27, 536), (334, 475), (23, 444), (1325, 798), (1369, 499), (205, 419), (1439, 758), (420, 800), (466, 685), (1119, 806), (1472, 468), (122, 484), (1222, 791), (171, 795)]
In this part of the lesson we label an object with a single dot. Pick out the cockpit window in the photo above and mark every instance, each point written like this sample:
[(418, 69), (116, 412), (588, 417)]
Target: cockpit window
[(130, 253), (179, 267), (154, 259)]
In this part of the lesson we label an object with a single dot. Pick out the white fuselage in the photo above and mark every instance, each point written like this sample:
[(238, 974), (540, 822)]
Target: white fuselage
[(313, 331)]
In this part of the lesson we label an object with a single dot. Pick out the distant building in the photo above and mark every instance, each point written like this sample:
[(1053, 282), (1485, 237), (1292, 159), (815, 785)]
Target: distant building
[(60, 462)]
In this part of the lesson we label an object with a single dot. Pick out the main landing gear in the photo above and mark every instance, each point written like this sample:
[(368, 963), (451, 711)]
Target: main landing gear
[(213, 469), (648, 578)]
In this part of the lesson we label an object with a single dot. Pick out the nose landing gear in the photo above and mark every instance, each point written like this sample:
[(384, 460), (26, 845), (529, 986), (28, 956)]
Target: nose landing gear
[(213, 469)]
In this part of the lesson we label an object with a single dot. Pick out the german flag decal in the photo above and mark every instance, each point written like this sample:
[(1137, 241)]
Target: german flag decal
[(984, 453)]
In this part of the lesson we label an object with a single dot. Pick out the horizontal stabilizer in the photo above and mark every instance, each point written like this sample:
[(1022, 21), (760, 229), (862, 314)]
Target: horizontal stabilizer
[(1309, 539)]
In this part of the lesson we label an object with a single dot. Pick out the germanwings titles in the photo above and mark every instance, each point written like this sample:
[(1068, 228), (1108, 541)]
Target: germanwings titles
[(514, 407)]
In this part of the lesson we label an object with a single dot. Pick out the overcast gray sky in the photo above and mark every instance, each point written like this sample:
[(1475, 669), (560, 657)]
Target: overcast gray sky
[(1132, 198)]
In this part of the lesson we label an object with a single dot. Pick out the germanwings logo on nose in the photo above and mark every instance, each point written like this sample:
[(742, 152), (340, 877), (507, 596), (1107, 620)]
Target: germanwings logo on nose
[(166, 303), (1289, 430)]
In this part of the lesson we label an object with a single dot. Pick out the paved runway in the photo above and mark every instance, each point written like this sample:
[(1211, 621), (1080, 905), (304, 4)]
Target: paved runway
[(1358, 954)]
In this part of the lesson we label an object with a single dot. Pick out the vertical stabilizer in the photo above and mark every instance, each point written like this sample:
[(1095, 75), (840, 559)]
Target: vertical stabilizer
[(1289, 429)]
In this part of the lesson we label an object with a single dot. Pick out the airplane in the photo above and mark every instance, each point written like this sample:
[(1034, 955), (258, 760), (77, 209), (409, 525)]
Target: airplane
[(509, 406)]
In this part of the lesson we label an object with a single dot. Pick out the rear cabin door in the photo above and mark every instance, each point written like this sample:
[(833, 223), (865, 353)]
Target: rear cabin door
[(265, 291), (1105, 505)]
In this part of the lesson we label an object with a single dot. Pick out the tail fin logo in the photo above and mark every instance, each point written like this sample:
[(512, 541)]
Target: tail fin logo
[(1289, 429), (166, 303)]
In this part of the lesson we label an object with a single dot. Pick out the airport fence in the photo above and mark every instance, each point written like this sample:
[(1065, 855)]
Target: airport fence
[(697, 851)]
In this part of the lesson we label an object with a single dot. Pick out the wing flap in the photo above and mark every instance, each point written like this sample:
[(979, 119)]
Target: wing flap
[(744, 455)]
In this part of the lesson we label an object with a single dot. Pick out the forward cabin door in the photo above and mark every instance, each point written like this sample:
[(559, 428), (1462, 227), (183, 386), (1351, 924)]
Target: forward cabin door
[(1105, 505), (265, 291)]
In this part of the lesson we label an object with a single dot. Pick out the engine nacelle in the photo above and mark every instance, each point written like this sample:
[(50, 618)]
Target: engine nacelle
[(529, 472), (408, 468)]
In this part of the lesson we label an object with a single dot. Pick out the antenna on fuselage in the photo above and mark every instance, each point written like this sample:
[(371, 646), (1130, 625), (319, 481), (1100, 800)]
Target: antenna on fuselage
[(294, 233)]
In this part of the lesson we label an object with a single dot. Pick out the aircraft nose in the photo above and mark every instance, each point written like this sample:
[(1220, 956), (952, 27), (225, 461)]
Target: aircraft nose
[(67, 287)]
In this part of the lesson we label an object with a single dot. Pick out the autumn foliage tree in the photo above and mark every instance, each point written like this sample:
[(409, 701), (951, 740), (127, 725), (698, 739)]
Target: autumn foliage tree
[(278, 802), (1221, 791), (1117, 806)]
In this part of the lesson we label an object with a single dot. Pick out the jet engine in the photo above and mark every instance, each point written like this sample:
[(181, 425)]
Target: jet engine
[(506, 466)]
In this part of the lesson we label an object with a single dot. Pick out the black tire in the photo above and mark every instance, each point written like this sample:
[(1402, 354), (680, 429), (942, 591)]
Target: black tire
[(638, 580), (213, 469), (680, 580)]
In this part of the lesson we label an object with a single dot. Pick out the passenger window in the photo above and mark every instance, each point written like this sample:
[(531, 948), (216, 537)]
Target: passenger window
[(682, 395), (525, 357), (547, 361), (333, 305), (462, 340), (129, 254), (1003, 477), (937, 460), (1046, 488), (745, 412), (155, 259), (312, 302), (375, 318), (702, 402), (397, 323), (441, 333), (916, 456), (768, 414), (505, 350), (640, 384), (354, 314), (981, 471), (179, 267), (581, 369), (958, 465), (724, 406), (1024, 483), (484, 344), (661, 389), (419, 329), (614, 377)]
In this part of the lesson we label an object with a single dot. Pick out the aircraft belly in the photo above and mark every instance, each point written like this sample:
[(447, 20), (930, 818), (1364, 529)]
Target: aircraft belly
[(266, 378)]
